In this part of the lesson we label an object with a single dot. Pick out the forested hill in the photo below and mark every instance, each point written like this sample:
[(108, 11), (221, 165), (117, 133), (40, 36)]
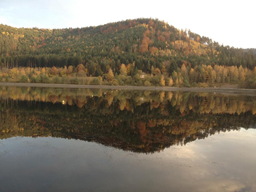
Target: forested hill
[(141, 42)]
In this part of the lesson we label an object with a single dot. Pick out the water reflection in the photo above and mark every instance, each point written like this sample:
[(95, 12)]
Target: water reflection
[(157, 140), (138, 121), (219, 163)]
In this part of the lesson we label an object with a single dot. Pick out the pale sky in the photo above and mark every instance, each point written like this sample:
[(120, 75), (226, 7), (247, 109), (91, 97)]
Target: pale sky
[(229, 22)]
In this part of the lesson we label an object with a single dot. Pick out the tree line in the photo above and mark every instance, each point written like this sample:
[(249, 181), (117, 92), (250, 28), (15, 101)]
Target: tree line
[(186, 76)]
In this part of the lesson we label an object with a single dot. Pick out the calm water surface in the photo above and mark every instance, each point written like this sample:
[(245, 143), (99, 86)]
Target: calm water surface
[(113, 140)]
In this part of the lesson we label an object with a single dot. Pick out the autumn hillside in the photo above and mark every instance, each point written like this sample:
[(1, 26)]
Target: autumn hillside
[(145, 42)]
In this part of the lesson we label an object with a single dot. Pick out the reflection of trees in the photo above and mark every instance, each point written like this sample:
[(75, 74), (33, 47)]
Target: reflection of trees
[(184, 102), (137, 121)]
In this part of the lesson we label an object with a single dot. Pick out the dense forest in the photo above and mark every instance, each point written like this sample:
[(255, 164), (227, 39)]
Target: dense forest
[(139, 121), (128, 47)]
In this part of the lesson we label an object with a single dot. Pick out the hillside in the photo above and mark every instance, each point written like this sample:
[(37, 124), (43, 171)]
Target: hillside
[(142, 42)]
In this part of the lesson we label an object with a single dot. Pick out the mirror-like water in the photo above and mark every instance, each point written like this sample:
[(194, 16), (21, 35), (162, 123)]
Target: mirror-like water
[(114, 140)]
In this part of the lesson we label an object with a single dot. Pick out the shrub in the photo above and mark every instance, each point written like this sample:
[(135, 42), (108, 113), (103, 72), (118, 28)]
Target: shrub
[(84, 81), (106, 83), (155, 80), (65, 80), (114, 82), (42, 79), (38, 79), (186, 83), (45, 79), (126, 80), (249, 83), (193, 84), (95, 81), (56, 79), (203, 85), (120, 82), (81, 74), (32, 79), (140, 83), (24, 79), (136, 77), (74, 81), (147, 83)]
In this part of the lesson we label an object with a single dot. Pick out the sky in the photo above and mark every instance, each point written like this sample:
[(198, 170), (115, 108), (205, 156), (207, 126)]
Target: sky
[(224, 21)]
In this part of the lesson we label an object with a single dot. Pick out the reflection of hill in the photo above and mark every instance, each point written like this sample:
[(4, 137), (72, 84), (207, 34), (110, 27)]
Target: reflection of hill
[(140, 122)]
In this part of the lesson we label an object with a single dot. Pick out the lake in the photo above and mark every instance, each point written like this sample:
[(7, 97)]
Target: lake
[(54, 139)]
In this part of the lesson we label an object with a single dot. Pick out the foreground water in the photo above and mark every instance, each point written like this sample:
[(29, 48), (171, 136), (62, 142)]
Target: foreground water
[(99, 140)]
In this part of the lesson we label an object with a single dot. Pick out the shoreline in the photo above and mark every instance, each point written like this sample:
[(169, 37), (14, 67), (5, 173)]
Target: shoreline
[(150, 88)]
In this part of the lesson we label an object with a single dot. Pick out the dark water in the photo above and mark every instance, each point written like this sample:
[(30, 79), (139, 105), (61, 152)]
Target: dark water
[(103, 140)]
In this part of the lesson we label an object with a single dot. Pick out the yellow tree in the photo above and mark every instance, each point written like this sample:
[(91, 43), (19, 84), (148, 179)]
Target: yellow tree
[(175, 77), (224, 75), (63, 71), (157, 71), (110, 75), (170, 81), (123, 70), (128, 68), (69, 70), (54, 70), (210, 75), (184, 70), (152, 70), (234, 73), (162, 81), (163, 70), (80, 67), (218, 70), (180, 77), (241, 73), (213, 76)]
